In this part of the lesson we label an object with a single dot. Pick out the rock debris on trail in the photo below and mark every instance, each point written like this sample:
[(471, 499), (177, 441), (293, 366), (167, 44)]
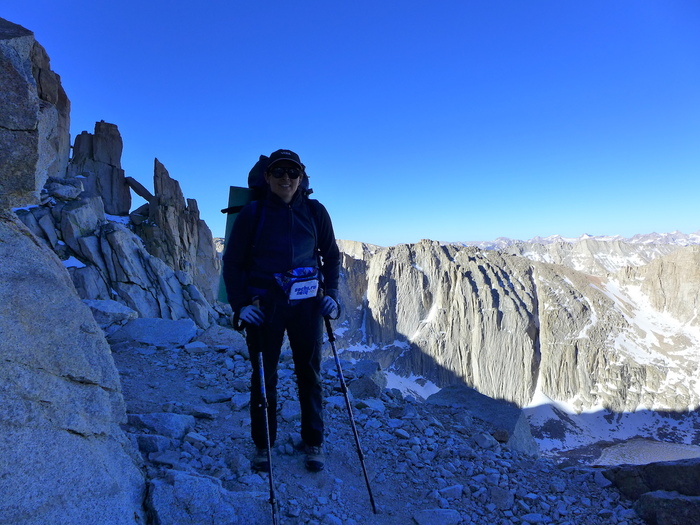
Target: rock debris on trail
[(427, 464)]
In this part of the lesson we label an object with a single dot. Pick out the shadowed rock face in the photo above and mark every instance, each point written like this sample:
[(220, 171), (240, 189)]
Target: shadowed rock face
[(63, 457), (34, 118), (506, 324), (665, 492)]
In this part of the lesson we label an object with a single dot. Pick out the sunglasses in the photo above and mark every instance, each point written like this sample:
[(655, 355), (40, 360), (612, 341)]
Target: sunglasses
[(279, 172)]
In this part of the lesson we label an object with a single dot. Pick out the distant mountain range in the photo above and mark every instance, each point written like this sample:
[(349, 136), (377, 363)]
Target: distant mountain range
[(675, 238)]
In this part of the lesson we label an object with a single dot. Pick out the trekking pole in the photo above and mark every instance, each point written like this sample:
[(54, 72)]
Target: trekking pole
[(344, 388), (273, 503), (263, 391)]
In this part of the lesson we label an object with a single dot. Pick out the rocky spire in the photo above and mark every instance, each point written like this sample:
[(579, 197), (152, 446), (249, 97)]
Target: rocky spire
[(97, 159)]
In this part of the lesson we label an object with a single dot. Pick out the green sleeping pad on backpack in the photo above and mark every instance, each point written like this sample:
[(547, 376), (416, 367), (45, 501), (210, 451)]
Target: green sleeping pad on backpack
[(237, 198)]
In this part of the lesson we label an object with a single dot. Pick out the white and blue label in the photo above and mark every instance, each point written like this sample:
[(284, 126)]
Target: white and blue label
[(303, 290)]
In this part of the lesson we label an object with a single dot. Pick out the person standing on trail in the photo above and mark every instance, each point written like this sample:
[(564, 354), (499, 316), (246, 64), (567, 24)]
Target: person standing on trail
[(281, 269)]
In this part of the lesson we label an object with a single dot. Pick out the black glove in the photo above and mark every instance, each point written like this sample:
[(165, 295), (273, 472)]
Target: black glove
[(330, 307), (248, 315), (252, 315)]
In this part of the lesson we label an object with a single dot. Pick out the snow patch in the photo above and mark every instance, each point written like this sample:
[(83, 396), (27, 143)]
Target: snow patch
[(412, 385)]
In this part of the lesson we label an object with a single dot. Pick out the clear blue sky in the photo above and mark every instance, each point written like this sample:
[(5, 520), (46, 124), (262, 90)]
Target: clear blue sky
[(456, 120)]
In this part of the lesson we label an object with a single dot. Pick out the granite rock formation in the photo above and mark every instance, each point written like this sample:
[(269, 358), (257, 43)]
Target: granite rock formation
[(510, 326), (172, 230), (108, 261), (34, 118), (97, 160), (63, 456)]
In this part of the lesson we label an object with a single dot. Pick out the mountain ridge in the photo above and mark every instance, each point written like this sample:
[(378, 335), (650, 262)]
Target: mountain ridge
[(675, 237)]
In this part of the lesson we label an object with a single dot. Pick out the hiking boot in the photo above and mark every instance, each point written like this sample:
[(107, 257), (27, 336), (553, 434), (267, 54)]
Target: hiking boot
[(260, 462), (315, 460)]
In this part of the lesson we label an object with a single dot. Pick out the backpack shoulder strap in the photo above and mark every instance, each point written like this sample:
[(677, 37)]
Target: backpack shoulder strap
[(258, 221), (312, 205)]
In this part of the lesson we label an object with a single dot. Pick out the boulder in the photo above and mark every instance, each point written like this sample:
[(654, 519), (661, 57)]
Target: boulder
[(509, 421), (670, 476), (182, 498), (63, 457), (157, 332), (668, 508), (169, 425), (110, 315), (80, 218), (371, 370), (364, 388), (437, 516)]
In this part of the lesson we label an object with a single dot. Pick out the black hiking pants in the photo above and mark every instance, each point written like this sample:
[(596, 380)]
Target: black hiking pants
[(304, 326)]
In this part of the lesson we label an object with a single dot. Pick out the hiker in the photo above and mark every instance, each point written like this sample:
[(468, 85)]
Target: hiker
[(281, 270)]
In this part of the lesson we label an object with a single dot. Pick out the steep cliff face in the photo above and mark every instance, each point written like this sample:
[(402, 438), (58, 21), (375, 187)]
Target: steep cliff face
[(672, 284), (508, 325), (34, 118)]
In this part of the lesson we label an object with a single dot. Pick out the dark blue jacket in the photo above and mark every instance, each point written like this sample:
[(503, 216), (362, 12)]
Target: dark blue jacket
[(276, 238)]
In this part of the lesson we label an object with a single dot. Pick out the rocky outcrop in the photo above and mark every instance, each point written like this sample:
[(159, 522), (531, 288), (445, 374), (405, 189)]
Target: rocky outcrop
[(172, 230), (592, 256), (509, 422), (83, 218), (63, 456), (507, 325), (671, 284), (668, 508), (682, 477), (108, 261), (182, 497), (169, 226), (97, 160), (34, 118), (666, 493), (82, 211)]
